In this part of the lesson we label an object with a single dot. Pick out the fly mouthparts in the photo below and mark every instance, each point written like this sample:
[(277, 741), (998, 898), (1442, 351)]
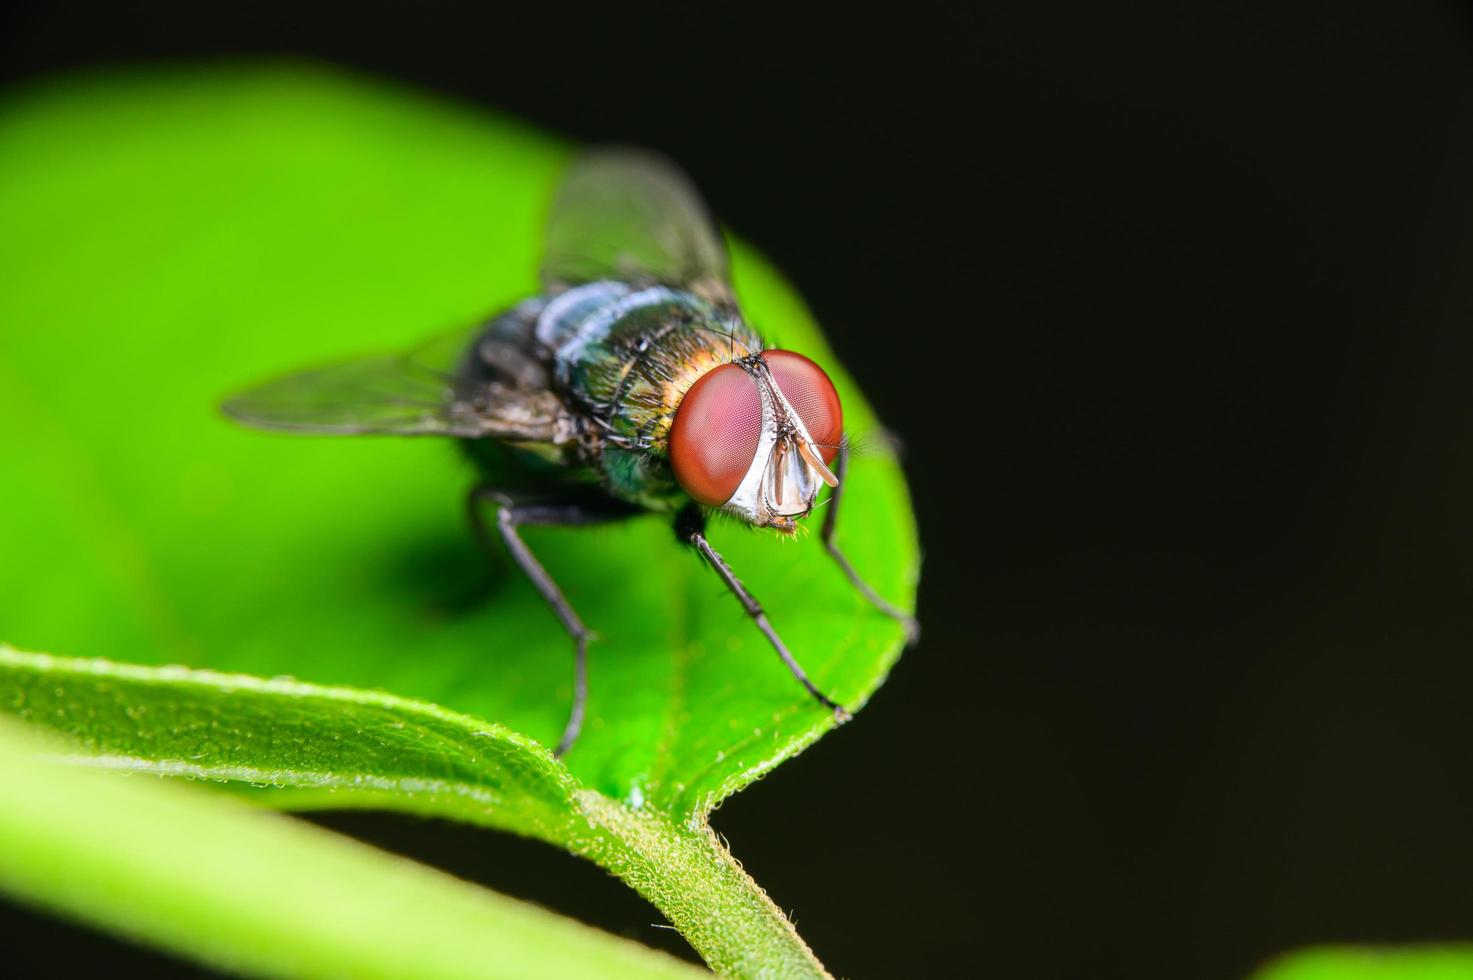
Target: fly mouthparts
[(779, 457)]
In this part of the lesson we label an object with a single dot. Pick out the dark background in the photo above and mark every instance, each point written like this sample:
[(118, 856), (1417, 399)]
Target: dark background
[(1172, 306)]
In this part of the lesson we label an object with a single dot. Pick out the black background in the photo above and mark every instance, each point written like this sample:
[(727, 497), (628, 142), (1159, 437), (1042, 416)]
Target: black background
[(1172, 306)]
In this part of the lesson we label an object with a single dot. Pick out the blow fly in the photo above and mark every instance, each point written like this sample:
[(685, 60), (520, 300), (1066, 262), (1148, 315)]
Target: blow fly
[(631, 383)]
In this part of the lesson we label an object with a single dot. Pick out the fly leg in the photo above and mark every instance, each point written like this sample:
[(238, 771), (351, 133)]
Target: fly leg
[(830, 520), (512, 514), (690, 524)]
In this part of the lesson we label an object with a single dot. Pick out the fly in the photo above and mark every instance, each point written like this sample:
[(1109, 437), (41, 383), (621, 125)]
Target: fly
[(630, 384)]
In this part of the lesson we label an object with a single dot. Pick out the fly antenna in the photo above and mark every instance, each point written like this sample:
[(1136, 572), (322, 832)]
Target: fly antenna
[(815, 461)]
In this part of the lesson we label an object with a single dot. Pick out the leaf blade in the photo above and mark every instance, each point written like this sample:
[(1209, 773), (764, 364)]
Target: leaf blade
[(338, 563), (284, 733), (282, 899), (239, 729)]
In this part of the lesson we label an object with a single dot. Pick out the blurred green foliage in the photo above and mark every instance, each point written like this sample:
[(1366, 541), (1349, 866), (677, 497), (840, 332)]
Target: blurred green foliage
[(1453, 961)]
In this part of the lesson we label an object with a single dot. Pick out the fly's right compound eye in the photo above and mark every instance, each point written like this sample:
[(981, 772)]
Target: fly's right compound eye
[(714, 437)]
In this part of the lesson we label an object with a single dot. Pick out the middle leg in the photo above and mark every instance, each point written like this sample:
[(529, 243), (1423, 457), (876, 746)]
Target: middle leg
[(512, 514), (830, 524)]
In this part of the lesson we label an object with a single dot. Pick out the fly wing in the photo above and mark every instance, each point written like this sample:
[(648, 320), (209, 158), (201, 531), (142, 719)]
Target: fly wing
[(629, 214), (468, 384)]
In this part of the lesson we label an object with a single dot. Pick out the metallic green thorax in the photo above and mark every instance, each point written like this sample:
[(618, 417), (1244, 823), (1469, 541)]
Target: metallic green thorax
[(623, 357)]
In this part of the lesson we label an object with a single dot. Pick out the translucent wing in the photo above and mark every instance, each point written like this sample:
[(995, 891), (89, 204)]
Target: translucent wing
[(628, 214), (472, 384)]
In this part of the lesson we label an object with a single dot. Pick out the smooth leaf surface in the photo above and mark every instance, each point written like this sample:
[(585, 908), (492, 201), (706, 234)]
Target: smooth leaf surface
[(167, 239), (281, 899)]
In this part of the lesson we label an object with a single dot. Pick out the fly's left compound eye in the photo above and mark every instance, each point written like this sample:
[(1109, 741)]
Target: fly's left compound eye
[(714, 436), (809, 390)]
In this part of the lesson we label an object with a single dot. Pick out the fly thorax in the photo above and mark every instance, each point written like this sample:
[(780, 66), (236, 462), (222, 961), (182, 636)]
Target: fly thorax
[(564, 318), (619, 348)]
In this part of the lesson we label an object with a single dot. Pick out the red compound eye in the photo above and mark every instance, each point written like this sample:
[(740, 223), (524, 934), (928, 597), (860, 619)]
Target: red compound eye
[(812, 396), (713, 439)]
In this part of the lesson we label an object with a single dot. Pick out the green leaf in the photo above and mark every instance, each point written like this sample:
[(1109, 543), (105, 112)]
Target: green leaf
[(171, 238), (127, 853), (1453, 961), (305, 746), (284, 733)]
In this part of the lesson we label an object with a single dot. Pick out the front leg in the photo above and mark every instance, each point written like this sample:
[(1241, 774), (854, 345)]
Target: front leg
[(690, 524), (830, 520), (511, 514)]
